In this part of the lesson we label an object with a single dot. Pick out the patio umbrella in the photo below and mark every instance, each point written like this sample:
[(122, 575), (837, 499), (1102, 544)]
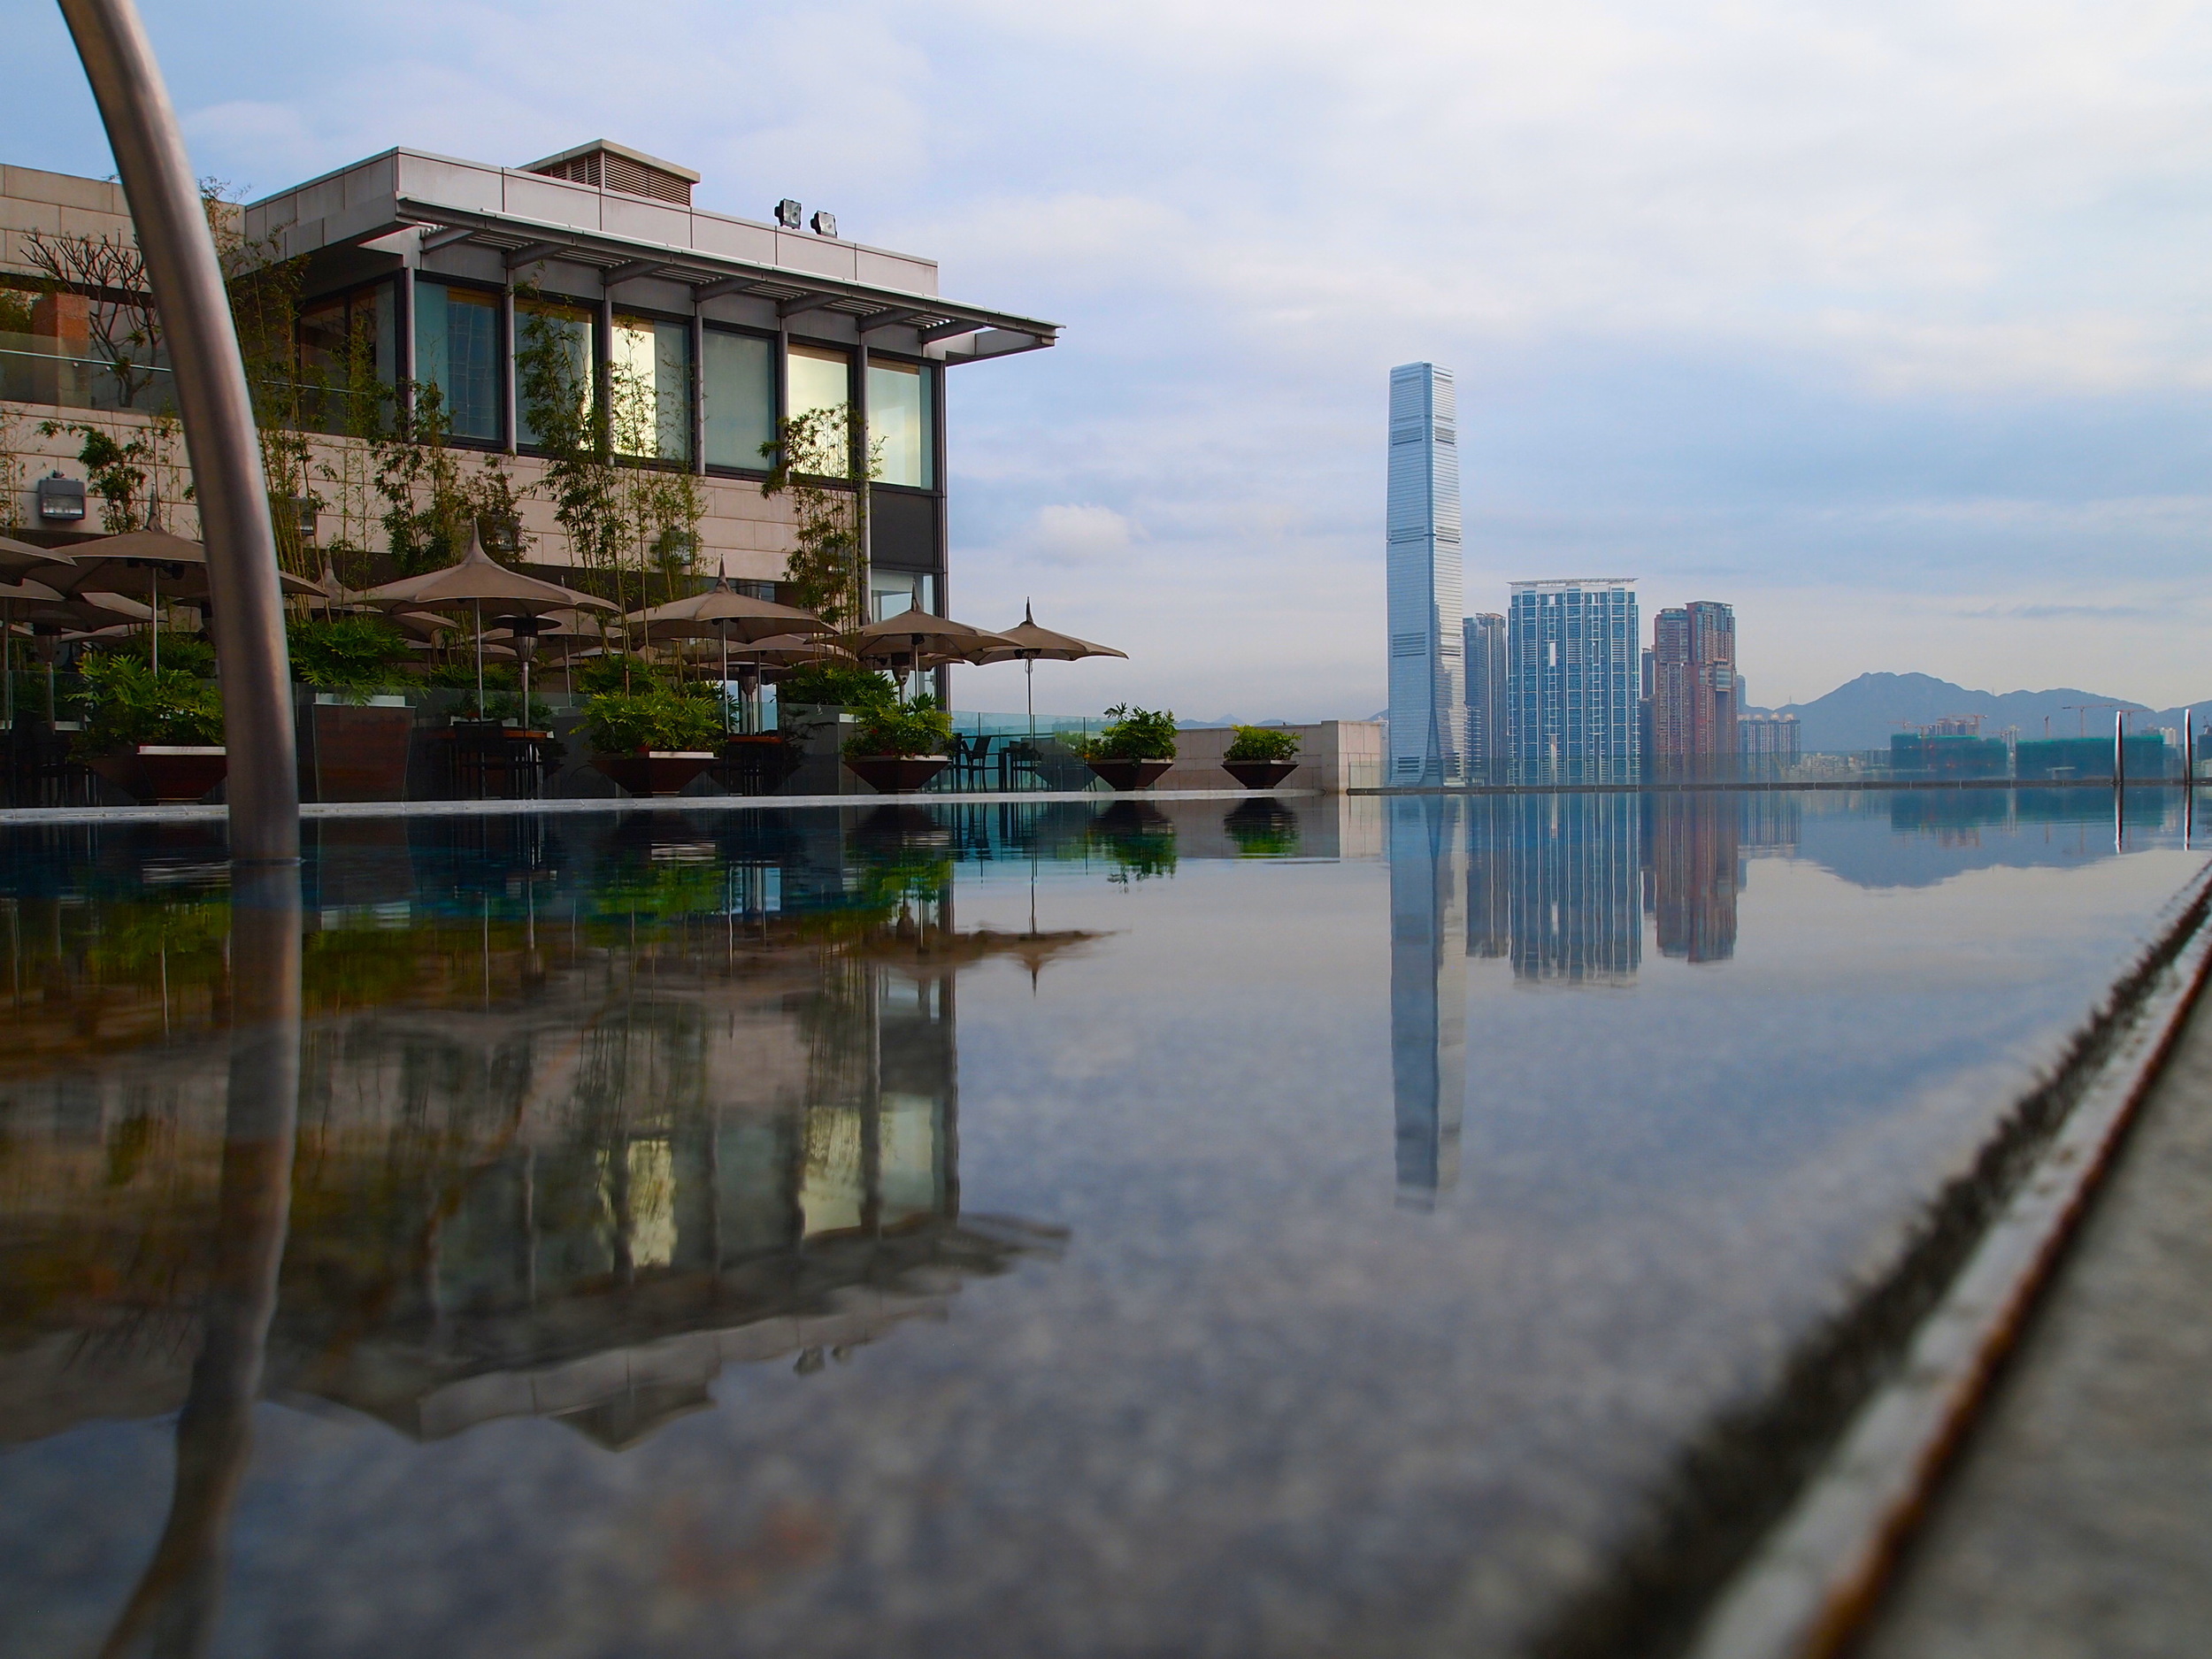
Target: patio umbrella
[(156, 563), (1027, 643), (914, 633), (50, 616), (475, 582), (36, 592), (722, 613), (781, 650), (20, 558)]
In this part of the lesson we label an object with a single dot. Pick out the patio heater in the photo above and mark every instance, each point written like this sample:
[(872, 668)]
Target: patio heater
[(524, 632)]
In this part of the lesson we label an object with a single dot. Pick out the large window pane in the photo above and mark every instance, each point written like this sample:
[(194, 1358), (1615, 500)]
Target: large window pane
[(457, 350), (553, 371), (348, 360), (819, 378), (741, 386), (651, 363), (891, 592), (899, 423)]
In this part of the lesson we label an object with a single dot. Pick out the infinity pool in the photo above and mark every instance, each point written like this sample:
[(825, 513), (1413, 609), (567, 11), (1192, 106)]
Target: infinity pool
[(1265, 1227)]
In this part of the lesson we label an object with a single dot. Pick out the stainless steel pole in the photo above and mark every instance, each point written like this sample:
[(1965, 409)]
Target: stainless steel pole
[(218, 426)]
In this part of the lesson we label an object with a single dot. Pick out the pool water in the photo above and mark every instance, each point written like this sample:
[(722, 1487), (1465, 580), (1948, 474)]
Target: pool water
[(1266, 1227)]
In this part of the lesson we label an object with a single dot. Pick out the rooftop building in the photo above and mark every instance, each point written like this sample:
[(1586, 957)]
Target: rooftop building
[(1428, 670), (1572, 671)]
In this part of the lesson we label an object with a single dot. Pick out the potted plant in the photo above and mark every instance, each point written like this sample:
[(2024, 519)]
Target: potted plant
[(1260, 756), (355, 737), (156, 735), (653, 741), (896, 748), (1136, 747)]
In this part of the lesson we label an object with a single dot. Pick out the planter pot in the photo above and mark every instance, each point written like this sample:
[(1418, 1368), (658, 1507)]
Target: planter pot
[(164, 772), (361, 751), (896, 775), (1129, 774), (1259, 775), (655, 771)]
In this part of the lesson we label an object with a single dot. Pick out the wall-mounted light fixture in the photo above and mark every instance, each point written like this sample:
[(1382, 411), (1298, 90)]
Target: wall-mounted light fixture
[(60, 500)]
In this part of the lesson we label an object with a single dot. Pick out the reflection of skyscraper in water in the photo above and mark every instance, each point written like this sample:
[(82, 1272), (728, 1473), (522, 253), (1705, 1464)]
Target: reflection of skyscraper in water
[(1491, 821), (1692, 874), (1773, 821), (1428, 992), (1575, 914)]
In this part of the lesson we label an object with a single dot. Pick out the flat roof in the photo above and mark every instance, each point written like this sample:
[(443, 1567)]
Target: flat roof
[(1560, 584), (531, 218)]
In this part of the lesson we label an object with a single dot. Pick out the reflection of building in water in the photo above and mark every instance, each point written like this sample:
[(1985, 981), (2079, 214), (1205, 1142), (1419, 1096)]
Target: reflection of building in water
[(1691, 873), (1576, 911), (1491, 821), (1771, 822), (1428, 991), (568, 1166)]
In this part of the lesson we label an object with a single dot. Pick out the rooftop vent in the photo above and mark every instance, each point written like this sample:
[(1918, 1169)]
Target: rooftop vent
[(608, 166)]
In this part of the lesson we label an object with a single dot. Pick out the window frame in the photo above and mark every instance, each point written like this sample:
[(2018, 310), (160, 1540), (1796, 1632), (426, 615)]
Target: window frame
[(693, 386), (710, 326), (523, 303), (511, 393), (934, 381), (347, 295)]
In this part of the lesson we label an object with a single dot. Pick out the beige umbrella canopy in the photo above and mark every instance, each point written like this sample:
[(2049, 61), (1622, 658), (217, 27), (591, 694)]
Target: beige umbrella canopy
[(914, 633), (20, 558), (1026, 643), (476, 582), (722, 612)]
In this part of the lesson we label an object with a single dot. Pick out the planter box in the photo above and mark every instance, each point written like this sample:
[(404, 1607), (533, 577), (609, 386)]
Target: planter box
[(657, 771), (361, 750), (896, 775), (164, 772), (1129, 774), (1259, 775)]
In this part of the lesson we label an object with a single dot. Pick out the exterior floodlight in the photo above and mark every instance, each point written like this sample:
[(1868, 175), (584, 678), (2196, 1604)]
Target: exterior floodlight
[(60, 500), (825, 224), (789, 214)]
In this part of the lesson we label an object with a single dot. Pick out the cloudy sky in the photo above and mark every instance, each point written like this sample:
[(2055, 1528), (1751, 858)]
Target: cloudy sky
[(1885, 322)]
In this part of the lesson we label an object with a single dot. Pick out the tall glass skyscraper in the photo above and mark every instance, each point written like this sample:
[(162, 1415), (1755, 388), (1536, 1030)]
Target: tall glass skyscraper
[(1573, 676), (1428, 664)]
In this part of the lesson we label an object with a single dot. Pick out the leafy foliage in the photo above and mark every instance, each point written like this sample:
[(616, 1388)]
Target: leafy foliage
[(1133, 734), (187, 653), (827, 570), (659, 718), (919, 727), (123, 472), (614, 672), (836, 684), (1263, 742), (125, 702), (352, 654)]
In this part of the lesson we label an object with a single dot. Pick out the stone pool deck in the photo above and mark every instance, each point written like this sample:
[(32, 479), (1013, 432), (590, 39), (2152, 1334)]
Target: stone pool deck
[(2078, 1518)]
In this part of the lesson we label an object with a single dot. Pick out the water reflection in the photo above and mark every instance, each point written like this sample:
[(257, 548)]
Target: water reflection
[(1428, 990), (583, 1118)]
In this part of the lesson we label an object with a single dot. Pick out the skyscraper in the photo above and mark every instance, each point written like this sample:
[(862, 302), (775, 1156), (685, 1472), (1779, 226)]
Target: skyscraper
[(1428, 668), (1693, 695), (1572, 677), (1485, 694)]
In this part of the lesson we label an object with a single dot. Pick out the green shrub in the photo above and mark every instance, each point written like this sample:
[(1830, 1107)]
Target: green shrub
[(187, 653), (919, 727), (659, 717), (355, 655), (1133, 734), (837, 685), (125, 702), (1263, 742), (615, 672)]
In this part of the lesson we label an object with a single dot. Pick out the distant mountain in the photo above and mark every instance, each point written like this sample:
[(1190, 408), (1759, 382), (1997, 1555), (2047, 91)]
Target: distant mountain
[(1874, 708)]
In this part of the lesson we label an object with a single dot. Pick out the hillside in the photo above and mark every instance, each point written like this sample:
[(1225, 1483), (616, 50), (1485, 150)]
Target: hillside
[(1870, 710)]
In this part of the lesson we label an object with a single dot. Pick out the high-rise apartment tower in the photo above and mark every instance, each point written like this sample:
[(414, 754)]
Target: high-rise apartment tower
[(1487, 751), (1694, 693), (1573, 678), (1428, 668)]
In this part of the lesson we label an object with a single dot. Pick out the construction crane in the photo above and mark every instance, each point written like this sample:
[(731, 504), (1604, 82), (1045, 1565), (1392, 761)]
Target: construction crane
[(2082, 714)]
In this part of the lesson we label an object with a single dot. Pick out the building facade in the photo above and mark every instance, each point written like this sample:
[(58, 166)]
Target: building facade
[(1428, 677), (699, 333), (1693, 687), (1486, 750), (1573, 678), (1767, 740)]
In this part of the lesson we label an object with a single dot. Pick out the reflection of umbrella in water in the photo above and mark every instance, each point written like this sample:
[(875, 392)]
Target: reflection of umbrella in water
[(475, 582), (1026, 643)]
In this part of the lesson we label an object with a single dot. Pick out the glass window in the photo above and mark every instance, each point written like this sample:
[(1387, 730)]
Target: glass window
[(651, 363), (457, 350), (553, 370), (821, 378), (899, 423), (894, 591), (741, 388), (348, 360)]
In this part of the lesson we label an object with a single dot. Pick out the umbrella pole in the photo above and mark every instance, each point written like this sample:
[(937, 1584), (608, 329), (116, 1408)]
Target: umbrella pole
[(722, 691), (153, 625), (479, 605), (7, 661)]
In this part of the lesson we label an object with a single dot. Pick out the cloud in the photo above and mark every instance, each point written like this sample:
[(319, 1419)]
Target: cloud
[(1080, 535)]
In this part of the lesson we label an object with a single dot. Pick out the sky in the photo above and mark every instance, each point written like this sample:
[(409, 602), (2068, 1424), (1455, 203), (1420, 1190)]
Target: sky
[(1885, 323)]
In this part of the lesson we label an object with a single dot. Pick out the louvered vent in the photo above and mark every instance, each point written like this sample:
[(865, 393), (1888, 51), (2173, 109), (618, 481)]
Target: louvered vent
[(608, 167)]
